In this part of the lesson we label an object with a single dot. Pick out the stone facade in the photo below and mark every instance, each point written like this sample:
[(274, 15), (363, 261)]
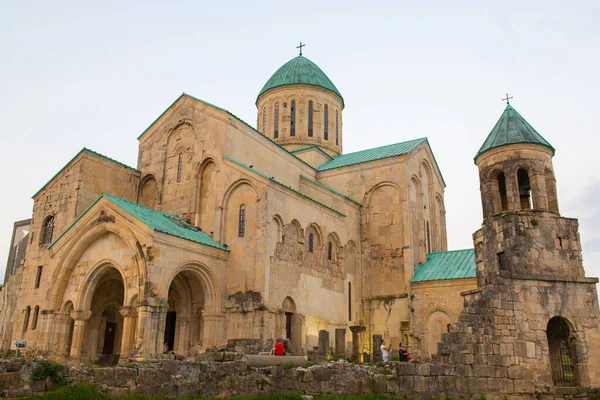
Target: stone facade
[(294, 251)]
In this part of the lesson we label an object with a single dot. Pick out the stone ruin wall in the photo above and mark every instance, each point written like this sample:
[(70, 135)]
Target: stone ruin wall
[(231, 378)]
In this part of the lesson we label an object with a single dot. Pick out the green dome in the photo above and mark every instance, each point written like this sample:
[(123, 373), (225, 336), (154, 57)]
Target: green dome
[(512, 128), (300, 70)]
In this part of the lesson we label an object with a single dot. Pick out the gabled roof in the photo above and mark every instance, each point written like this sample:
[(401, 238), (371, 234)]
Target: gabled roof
[(231, 114), (310, 148), (378, 153), (512, 128), (156, 220), (300, 71), (84, 150), (272, 179), (456, 264)]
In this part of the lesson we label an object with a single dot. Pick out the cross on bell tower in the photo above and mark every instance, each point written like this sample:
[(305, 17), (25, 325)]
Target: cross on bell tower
[(507, 99)]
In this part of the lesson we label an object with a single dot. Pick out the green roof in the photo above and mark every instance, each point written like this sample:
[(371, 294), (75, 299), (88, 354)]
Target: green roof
[(378, 153), (512, 128), (272, 179), (77, 155), (457, 264), (157, 220), (300, 71)]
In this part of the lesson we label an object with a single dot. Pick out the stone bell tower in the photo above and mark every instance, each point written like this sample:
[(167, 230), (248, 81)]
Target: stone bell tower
[(529, 258), (534, 317)]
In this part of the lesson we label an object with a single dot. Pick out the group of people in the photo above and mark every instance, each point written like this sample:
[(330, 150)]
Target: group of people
[(385, 351), (279, 350)]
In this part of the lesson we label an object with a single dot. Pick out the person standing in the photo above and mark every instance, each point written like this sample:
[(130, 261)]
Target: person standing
[(385, 351), (403, 353)]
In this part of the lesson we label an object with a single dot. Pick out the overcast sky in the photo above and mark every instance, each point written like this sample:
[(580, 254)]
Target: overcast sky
[(96, 74)]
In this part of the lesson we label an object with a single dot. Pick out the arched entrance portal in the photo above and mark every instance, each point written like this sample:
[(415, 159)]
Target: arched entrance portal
[(102, 342), (184, 327), (293, 324), (562, 353)]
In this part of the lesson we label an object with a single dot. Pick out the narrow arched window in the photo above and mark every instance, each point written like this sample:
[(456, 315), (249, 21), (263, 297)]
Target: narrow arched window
[(310, 242), (276, 121), (336, 127), (47, 230), (524, 189), (563, 358), (26, 321), (264, 121), (310, 118), (349, 301), (36, 311), (179, 167), (330, 251), (242, 221), (502, 191), (326, 122), (428, 239), (293, 118)]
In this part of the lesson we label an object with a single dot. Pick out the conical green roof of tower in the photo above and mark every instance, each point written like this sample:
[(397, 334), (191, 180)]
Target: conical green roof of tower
[(512, 128), (300, 71)]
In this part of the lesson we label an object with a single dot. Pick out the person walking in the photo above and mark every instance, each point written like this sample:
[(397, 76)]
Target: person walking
[(385, 351)]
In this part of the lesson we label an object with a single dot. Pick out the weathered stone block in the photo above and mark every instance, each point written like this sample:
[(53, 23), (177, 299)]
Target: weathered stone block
[(125, 377), (104, 376), (523, 386)]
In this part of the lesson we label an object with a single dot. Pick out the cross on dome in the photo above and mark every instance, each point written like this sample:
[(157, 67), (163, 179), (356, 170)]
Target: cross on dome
[(300, 47)]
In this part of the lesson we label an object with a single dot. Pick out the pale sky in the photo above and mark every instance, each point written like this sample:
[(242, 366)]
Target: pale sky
[(96, 74)]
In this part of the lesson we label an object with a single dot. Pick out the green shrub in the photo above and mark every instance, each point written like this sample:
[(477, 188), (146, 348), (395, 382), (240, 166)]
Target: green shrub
[(49, 369)]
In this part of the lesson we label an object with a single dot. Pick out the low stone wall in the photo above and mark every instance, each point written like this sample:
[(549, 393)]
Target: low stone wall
[(231, 378)]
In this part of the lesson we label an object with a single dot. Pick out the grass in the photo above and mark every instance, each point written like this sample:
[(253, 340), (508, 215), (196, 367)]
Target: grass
[(88, 392)]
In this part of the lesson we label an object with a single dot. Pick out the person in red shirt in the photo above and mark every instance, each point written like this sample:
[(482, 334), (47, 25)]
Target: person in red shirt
[(278, 349)]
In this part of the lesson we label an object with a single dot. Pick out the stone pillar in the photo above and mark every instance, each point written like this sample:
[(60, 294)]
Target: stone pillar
[(340, 342), (377, 356), (213, 330), (128, 314), (183, 341), (46, 325), (94, 326), (151, 328), (323, 342), (80, 318), (356, 330)]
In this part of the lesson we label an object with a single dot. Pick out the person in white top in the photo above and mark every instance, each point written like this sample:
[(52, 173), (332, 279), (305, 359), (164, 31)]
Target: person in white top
[(385, 351)]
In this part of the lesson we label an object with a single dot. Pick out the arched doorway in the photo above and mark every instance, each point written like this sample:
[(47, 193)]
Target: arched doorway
[(184, 327), (293, 324), (102, 342), (438, 322), (563, 357)]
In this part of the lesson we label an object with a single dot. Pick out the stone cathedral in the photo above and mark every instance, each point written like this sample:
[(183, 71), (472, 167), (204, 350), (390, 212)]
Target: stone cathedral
[(224, 232)]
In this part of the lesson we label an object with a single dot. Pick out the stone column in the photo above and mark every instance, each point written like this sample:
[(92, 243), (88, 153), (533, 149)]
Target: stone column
[(182, 334), (323, 342), (213, 330), (46, 325), (94, 326), (377, 356), (80, 317), (356, 330), (340, 342), (128, 314), (151, 328)]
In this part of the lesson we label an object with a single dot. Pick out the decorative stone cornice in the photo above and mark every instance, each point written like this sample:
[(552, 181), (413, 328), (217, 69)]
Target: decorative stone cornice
[(80, 315)]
